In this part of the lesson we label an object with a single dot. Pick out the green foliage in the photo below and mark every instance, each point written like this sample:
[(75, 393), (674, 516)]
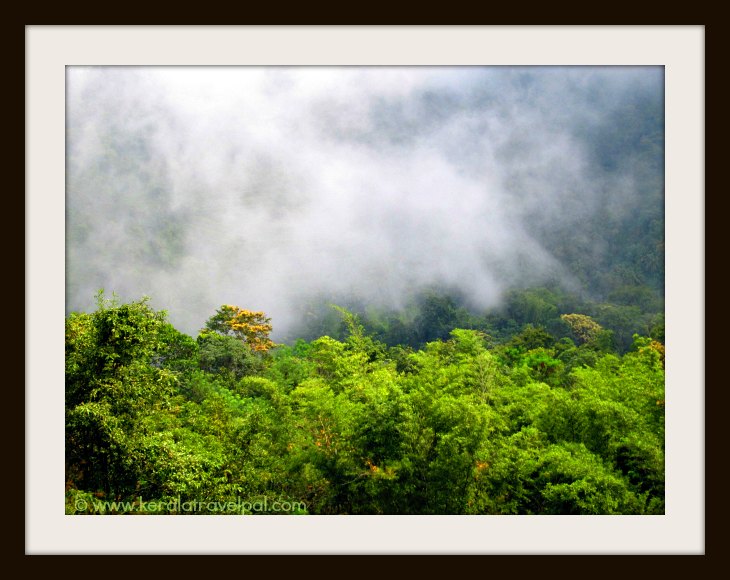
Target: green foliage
[(585, 329), (534, 425), (533, 306), (108, 354), (227, 356), (625, 321), (177, 351), (250, 327), (437, 317)]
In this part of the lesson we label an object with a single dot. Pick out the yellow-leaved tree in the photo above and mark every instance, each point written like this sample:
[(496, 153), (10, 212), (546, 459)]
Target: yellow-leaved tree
[(250, 326), (584, 327)]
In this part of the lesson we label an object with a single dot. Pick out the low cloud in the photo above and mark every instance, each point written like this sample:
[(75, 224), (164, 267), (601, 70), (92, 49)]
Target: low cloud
[(267, 187)]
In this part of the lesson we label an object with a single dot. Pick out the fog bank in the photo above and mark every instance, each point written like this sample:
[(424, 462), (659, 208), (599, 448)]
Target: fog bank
[(266, 187)]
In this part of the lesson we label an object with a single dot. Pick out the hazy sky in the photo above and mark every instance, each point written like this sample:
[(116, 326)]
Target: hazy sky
[(264, 187)]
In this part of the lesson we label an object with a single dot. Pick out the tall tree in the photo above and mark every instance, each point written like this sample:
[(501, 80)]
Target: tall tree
[(252, 327)]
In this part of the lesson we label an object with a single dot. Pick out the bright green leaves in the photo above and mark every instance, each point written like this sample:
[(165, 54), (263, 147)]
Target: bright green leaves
[(111, 384), (531, 426), (180, 463), (573, 481), (108, 354), (528, 475), (335, 362)]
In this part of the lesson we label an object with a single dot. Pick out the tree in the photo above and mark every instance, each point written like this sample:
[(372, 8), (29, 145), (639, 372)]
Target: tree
[(109, 355), (533, 305), (110, 383), (251, 327), (584, 327), (438, 315), (227, 356)]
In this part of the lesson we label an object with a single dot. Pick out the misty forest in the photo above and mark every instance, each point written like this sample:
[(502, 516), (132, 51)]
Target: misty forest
[(366, 290)]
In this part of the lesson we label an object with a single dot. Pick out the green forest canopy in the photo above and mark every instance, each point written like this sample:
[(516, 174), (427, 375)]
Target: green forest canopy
[(549, 406)]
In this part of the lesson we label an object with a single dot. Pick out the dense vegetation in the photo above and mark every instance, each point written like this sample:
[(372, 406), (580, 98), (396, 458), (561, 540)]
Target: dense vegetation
[(551, 402), (551, 405)]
